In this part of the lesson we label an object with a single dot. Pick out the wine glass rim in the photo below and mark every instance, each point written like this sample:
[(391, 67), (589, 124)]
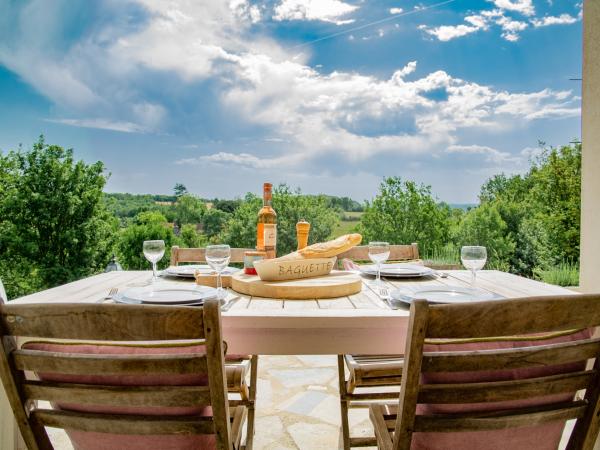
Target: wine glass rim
[(154, 241), (218, 246), (379, 243), (472, 246)]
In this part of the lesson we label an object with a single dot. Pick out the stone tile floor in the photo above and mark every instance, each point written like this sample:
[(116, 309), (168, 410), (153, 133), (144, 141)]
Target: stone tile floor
[(297, 406)]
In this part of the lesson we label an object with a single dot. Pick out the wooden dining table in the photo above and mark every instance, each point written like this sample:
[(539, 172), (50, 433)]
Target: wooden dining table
[(361, 323)]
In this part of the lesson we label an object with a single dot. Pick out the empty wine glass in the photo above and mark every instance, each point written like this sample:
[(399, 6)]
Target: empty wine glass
[(379, 252), (217, 257), (154, 251), (473, 258)]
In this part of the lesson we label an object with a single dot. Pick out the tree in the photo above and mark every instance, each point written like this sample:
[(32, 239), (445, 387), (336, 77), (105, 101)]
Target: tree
[(189, 209), (291, 206), (484, 226), (404, 212), (214, 221), (53, 219), (180, 190), (149, 225), (191, 238)]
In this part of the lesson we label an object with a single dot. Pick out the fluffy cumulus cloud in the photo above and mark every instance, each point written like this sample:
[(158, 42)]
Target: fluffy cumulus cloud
[(511, 16), (563, 19), (305, 114), (332, 11), (524, 7)]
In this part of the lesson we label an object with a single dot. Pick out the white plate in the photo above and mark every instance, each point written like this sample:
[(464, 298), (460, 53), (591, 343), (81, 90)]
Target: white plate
[(165, 295), (444, 294), (189, 271), (397, 270)]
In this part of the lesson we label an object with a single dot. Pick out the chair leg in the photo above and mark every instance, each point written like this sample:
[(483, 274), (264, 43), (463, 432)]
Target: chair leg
[(252, 402), (343, 403)]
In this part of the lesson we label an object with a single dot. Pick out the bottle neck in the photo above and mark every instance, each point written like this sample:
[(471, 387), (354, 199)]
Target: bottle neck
[(267, 199)]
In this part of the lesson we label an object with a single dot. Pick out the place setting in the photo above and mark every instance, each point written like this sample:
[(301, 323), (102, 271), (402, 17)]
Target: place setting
[(473, 259), (161, 292)]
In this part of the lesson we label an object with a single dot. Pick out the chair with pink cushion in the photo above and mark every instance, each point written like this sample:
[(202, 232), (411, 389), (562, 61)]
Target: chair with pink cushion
[(151, 377), (496, 375)]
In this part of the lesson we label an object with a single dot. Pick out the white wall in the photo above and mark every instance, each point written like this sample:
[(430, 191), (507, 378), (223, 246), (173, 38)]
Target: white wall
[(590, 186)]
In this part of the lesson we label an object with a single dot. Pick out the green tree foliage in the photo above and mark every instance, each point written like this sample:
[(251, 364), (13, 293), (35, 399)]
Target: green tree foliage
[(541, 209), (404, 212), (53, 221), (179, 190), (189, 209), (214, 221), (148, 225), (484, 226), (190, 238), (291, 206)]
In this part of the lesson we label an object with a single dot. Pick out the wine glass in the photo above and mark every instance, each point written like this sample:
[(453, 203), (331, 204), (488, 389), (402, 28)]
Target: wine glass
[(379, 252), (154, 251), (473, 258), (217, 257)]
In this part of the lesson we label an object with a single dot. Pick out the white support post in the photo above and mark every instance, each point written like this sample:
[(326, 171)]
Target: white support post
[(590, 137)]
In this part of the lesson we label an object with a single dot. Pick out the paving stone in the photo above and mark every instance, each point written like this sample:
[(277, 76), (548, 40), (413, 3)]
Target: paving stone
[(311, 436)]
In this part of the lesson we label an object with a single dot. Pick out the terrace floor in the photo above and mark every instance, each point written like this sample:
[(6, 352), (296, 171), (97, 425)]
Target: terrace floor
[(298, 406)]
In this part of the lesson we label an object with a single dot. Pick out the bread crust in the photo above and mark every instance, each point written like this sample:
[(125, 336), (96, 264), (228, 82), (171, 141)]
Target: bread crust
[(331, 248)]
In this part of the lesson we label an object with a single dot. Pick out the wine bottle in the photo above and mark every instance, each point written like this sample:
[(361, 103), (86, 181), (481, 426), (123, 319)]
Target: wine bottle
[(266, 229)]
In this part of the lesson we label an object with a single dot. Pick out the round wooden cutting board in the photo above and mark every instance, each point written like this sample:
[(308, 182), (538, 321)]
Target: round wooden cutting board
[(337, 284)]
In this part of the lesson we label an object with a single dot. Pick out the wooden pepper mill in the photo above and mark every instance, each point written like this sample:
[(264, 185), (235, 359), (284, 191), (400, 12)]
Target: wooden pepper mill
[(302, 230)]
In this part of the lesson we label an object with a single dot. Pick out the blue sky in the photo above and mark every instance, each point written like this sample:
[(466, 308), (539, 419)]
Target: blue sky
[(326, 95)]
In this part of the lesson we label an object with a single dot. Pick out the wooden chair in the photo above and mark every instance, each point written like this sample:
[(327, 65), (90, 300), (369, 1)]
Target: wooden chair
[(86, 409), (446, 392), (195, 255), (369, 371), (237, 366)]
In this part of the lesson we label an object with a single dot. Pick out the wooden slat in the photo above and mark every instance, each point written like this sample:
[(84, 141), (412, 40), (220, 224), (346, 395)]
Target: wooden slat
[(102, 321), (81, 364), (384, 440), (124, 423), (151, 396), (498, 420), (397, 253), (511, 317), (189, 255), (216, 373), (497, 391), (541, 355)]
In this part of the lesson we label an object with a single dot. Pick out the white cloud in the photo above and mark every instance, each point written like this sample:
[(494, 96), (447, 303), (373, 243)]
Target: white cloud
[(342, 115), (324, 10), (101, 124), (396, 10), (448, 32), (511, 28), (563, 19), (246, 11), (490, 154), (524, 7)]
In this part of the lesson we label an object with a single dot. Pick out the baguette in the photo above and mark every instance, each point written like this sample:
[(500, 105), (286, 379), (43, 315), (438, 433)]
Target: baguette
[(326, 249)]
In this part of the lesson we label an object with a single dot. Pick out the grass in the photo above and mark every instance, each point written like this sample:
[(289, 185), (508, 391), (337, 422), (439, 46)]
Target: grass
[(347, 224), (565, 274)]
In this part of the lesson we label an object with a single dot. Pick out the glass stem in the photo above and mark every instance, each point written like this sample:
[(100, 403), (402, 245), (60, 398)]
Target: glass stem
[(378, 273), (473, 276), (153, 272), (219, 286)]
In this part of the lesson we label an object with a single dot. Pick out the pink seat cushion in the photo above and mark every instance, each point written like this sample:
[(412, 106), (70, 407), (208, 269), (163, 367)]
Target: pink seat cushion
[(108, 441), (540, 437)]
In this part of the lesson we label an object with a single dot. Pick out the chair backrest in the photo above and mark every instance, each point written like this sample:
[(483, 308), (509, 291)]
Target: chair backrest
[(116, 323), (397, 253), (539, 380), (190, 255)]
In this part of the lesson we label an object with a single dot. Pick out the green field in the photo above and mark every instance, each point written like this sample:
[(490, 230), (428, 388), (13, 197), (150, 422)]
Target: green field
[(348, 224)]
